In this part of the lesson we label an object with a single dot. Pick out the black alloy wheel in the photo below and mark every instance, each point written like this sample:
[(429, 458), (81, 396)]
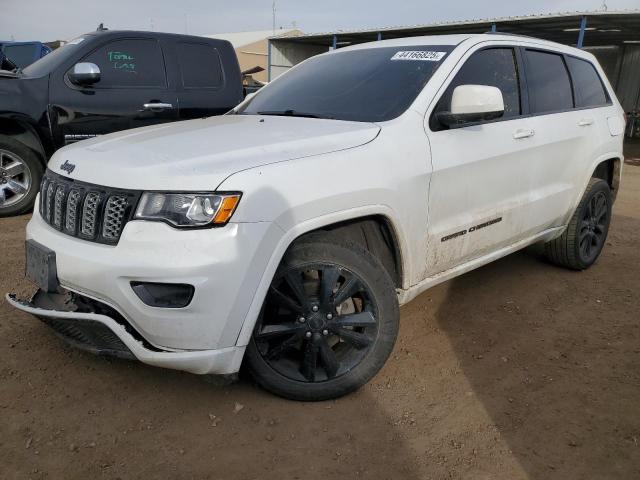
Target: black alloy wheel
[(328, 323), (593, 227), (318, 323), (581, 243)]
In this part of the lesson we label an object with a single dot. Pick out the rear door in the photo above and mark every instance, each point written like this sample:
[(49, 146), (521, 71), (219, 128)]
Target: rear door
[(562, 138), (133, 91), (207, 81)]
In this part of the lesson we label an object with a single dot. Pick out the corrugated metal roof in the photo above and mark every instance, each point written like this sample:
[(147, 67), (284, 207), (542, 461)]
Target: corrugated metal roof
[(496, 20), (240, 39)]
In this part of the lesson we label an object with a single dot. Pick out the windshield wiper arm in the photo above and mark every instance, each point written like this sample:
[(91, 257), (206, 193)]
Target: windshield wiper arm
[(291, 113)]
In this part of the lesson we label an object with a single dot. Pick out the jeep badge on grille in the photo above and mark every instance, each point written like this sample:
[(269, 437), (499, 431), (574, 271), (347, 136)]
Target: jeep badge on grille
[(67, 167)]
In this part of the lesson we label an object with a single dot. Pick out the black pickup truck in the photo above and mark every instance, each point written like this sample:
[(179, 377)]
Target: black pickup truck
[(103, 82)]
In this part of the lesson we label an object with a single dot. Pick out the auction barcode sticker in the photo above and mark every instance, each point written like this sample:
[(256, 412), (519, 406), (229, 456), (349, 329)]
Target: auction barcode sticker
[(419, 56)]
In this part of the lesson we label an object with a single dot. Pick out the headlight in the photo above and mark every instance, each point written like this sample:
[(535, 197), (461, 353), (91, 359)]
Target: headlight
[(188, 209)]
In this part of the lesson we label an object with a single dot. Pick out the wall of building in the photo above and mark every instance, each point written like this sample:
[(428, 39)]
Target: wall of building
[(285, 55), (628, 86), (254, 55)]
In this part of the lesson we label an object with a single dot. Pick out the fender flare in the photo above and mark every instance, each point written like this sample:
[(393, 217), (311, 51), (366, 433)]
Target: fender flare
[(24, 132), (297, 231), (592, 168)]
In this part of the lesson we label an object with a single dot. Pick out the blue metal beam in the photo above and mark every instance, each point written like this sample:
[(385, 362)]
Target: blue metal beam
[(335, 42), (583, 28), (494, 29), (379, 36)]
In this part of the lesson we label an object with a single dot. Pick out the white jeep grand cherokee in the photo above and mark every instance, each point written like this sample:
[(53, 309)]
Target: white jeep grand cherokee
[(288, 232)]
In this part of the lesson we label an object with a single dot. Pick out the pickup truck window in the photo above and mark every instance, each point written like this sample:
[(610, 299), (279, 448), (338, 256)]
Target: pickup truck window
[(586, 83), (548, 81), (368, 85), (129, 63), (200, 65), (495, 67), (50, 62)]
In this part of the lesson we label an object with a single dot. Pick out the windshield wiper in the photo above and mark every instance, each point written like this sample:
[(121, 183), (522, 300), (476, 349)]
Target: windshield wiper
[(292, 113)]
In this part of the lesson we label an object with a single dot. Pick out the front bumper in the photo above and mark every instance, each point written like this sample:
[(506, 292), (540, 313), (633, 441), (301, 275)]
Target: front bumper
[(101, 334), (225, 265)]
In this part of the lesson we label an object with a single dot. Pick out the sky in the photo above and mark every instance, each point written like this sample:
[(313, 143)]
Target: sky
[(48, 20)]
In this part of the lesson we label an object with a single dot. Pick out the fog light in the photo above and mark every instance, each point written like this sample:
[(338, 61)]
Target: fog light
[(164, 295)]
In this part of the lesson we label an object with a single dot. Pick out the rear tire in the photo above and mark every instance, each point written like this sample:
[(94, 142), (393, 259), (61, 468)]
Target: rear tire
[(328, 324), (581, 243), (20, 176)]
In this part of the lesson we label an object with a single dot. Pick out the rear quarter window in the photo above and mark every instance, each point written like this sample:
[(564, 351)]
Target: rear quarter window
[(587, 84), (200, 65)]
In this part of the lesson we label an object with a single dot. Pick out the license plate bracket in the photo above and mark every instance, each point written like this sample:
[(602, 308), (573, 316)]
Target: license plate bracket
[(41, 266)]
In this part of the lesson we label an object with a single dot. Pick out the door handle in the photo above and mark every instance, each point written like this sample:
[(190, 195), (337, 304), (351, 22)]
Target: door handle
[(585, 122), (157, 106), (523, 133)]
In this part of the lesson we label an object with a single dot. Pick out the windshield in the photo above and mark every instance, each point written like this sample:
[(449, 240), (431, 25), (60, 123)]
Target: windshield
[(369, 85), (51, 61)]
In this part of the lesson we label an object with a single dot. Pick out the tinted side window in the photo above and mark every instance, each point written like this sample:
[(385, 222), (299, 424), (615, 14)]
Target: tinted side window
[(495, 67), (548, 81), (200, 65), (586, 83), (129, 63)]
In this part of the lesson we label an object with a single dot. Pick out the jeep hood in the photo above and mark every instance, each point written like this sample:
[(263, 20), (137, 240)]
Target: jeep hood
[(201, 154)]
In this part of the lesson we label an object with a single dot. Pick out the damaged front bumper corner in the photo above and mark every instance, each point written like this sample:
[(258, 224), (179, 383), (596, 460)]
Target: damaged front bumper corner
[(101, 334)]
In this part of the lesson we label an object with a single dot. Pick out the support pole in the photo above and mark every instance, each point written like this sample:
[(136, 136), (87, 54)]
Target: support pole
[(268, 60), (583, 28), (494, 29), (335, 42), (379, 36)]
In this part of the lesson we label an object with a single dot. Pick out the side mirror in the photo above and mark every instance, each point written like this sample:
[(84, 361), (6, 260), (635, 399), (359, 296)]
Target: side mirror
[(472, 104), (84, 74)]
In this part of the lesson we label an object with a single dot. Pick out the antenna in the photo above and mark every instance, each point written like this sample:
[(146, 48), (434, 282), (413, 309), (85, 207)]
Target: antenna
[(274, 16)]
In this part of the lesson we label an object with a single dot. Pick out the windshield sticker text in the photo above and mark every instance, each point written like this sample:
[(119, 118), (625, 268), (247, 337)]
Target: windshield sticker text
[(419, 56)]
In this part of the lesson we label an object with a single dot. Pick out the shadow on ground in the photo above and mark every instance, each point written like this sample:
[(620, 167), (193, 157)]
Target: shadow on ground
[(558, 369)]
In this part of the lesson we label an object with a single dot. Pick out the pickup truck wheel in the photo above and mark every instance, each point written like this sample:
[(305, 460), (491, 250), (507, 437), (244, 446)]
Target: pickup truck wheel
[(328, 324), (20, 175), (581, 243)]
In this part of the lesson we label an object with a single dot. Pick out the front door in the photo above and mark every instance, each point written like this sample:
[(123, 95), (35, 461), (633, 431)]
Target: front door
[(132, 92), (480, 183)]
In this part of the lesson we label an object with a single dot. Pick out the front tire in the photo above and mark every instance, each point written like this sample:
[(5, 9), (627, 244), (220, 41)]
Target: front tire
[(20, 175), (328, 324), (581, 243)]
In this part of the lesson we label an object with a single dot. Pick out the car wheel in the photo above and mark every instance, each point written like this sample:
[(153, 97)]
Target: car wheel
[(20, 175), (581, 243), (328, 324)]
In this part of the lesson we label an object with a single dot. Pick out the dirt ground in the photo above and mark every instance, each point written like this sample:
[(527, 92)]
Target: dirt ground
[(516, 370)]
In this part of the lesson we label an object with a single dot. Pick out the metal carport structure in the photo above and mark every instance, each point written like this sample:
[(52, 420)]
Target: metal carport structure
[(612, 36)]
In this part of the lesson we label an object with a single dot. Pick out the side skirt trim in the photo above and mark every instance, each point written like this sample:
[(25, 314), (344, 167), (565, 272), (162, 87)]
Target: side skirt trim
[(405, 296)]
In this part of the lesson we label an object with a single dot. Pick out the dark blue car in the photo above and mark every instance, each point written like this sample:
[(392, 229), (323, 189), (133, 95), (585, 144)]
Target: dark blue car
[(22, 54)]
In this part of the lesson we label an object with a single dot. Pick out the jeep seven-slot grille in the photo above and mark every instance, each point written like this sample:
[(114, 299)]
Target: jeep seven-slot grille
[(84, 210)]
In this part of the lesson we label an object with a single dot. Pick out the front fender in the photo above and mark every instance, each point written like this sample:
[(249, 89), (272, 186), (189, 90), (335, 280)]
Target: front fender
[(285, 241)]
